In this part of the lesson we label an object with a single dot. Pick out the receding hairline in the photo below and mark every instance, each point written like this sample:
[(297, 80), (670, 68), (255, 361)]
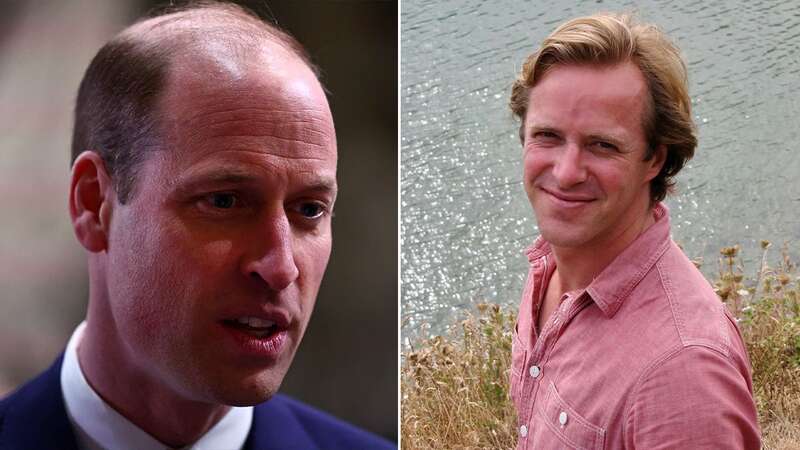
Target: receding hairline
[(219, 39), (646, 96), (185, 29), (118, 110)]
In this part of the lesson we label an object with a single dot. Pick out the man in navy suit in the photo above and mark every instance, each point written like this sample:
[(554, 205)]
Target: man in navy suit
[(203, 184)]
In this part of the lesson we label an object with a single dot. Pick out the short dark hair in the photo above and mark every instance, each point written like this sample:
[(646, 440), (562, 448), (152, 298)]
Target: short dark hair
[(116, 111), (608, 39)]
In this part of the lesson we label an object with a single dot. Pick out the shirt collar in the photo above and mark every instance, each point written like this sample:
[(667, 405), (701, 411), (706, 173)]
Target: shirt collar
[(99, 426), (538, 250), (613, 285)]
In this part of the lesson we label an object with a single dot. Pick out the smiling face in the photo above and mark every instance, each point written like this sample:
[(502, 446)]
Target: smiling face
[(214, 264), (584, 149)]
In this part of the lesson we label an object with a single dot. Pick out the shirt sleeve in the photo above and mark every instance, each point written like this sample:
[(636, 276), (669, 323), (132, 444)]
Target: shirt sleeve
[(694, 398)]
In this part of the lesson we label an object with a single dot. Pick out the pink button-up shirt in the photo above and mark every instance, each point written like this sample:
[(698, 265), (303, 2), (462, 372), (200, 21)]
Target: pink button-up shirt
[(646, 357)]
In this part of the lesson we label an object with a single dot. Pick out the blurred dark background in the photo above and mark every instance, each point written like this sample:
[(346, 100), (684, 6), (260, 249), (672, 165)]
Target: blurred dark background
[(347, 363)]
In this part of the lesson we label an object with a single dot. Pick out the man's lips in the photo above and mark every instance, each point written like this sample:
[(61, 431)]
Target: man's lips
[(568, 198), (279, 317), (258, 322), (257, 333)]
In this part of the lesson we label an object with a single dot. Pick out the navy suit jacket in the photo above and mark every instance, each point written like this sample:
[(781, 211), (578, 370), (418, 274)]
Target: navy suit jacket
[(34, 417)]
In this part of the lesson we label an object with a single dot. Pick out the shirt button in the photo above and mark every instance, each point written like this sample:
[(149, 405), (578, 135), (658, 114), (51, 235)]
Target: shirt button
[(562, 418), (523, 431), (535, 371)]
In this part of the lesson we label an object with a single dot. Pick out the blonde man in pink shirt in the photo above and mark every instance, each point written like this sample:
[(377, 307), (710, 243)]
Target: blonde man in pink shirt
[(620, 341)]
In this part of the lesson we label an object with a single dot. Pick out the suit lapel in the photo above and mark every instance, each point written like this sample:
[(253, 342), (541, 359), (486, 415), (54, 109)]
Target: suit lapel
[(276, 427), (35, 415)]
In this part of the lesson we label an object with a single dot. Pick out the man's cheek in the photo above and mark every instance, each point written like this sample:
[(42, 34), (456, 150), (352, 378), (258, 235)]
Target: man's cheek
[(529, 178), (532, 165), (312, 252)]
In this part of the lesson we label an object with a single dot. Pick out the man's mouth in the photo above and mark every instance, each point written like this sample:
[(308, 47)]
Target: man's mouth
[(262, 334), (259, 328), (568, 198)]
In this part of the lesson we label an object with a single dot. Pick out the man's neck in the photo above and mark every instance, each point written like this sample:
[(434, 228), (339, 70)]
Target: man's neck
[(148, 404), (577, 266)]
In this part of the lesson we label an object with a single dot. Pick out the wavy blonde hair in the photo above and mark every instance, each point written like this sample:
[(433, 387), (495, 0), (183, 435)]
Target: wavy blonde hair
[(609, 39)]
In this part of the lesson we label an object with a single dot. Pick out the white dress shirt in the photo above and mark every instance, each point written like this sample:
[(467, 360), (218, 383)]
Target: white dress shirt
[(99, 427)]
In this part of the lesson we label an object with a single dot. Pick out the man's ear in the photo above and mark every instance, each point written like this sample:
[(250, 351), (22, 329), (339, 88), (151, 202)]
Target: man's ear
[(656, 162), (91, 197)]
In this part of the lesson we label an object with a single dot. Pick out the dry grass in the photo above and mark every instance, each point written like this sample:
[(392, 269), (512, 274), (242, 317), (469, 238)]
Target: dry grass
[(769, 316), (455, 387)]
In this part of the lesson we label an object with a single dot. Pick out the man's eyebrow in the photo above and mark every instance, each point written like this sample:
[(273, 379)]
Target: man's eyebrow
[(232, 176), (602, 136), (541, 127), (612, 137), (538, 127), (321, 184), (220, 176)]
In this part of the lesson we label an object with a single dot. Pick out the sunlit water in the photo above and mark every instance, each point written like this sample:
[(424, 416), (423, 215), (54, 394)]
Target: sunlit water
[(465, 217)]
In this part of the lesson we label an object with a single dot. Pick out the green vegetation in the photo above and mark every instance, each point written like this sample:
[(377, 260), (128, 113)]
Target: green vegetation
[(455, 387)]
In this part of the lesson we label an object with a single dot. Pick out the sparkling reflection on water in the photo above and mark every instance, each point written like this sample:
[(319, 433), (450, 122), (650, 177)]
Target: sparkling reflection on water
[(465, 218)]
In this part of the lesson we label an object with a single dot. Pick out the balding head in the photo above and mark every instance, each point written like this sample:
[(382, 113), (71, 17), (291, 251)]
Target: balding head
[(221, 151), (117, 112)]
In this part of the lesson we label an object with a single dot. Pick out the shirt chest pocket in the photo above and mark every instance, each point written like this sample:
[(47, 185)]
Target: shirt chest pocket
[(559, 426)]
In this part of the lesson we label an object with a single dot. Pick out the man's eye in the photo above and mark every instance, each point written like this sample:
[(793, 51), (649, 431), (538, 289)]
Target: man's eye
[(606, 145), (311, 210), (222, 200), (545, 135)]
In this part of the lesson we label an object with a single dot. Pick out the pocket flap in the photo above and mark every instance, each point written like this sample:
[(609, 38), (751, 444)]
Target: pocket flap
[(570, 426)]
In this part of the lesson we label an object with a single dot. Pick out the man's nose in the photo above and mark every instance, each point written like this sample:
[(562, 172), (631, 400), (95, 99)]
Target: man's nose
[(272, 255), (569, 168)]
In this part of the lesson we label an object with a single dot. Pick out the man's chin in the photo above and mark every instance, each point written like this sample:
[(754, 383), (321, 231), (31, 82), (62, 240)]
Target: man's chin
[(250, 400), (247, 397), (563, 235), (247, 391)]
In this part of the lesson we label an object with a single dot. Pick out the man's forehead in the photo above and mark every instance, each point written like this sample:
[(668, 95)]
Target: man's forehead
[(598, 102), (217, 64), (588, 87), (621, 80), (272, 94)]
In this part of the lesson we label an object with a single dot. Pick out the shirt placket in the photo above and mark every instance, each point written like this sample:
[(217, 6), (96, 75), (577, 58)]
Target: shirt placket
[(536, 363)]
